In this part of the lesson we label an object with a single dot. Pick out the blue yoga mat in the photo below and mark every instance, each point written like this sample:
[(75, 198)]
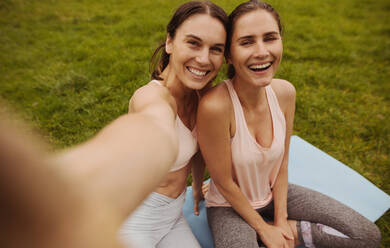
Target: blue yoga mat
[(314, 169)]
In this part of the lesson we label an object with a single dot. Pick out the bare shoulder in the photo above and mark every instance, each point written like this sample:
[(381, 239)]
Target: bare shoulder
[(285, 91), (150, 94), (216, 101)]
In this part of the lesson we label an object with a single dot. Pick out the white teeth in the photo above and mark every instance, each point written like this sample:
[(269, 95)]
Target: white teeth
[(197, 72), (260, 66)]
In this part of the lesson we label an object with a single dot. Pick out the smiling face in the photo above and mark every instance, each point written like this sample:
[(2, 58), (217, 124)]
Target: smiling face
[(196, 51), (256, 48)]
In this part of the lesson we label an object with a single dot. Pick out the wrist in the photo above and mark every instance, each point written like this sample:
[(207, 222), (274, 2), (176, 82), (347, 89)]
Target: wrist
[(280, 220), (196, 186), (280, 214), (260, 226)]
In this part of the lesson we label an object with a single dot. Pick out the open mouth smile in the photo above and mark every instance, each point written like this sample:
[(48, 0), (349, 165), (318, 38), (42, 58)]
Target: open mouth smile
[(198, 73), (260, 67)]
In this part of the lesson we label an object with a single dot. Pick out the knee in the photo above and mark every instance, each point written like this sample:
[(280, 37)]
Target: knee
[(375, 237), (236, 243), (371, 237)]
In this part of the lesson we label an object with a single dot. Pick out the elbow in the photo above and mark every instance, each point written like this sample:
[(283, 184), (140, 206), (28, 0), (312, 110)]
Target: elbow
[(225, 186)]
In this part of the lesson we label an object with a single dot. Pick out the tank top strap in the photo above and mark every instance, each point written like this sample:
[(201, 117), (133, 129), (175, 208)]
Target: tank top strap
[(238, 112), (157, 82), (273, 101), (276, 111)]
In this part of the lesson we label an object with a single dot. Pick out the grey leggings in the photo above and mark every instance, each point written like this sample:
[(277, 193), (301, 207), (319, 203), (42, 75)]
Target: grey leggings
[(231, 231)]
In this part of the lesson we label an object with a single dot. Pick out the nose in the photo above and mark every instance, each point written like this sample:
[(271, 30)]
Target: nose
[(261, 50), (203, 57)]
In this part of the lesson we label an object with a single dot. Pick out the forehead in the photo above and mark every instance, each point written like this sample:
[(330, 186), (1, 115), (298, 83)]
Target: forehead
[(203, 26), (255, 23)]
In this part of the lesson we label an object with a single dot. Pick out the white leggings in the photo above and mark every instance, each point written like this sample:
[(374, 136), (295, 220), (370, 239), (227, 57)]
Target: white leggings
[(158, 222)]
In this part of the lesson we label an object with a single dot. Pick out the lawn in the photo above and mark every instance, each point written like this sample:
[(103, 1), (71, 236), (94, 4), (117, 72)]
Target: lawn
[(70, 67)]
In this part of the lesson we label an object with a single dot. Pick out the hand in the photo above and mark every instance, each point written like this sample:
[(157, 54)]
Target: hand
[(287, 228), (274, 237), (205, 188), (198, 197)]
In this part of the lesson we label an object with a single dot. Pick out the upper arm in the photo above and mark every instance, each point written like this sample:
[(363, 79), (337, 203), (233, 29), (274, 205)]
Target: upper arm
[(154, 101), (213, 126), (286, 95)]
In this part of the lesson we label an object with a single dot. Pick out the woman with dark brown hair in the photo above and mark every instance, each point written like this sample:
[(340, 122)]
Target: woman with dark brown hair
[(191, 57)]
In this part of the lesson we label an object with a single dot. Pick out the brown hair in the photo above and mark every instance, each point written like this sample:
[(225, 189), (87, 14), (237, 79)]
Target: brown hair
[(160, 62), (239, 11)]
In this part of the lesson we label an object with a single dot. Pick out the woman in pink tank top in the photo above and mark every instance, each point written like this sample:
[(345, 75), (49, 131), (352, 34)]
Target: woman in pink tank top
[(189, 60), (244, 128)]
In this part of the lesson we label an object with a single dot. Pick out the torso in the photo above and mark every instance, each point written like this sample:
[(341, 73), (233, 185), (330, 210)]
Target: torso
[(176, 181), (258, 129)]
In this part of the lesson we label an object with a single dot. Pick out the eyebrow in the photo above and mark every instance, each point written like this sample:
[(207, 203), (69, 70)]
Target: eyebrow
[(252, 36), (193, 36), (245, 37), (271, 33), (199, 39)]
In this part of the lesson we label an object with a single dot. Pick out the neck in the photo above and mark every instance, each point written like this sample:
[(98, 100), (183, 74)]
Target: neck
[(178, 90), (251, 96)]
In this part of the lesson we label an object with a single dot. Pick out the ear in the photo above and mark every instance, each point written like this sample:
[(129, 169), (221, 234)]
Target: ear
[(168, 45)]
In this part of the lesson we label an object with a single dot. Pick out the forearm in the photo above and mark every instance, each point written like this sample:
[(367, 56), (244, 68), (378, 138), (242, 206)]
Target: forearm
[(58, 213), (124, 162), (233, 194), (198, 169), (279, 192)]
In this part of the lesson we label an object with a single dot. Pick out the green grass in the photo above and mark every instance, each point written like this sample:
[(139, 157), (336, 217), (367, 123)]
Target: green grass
[(70, 67)]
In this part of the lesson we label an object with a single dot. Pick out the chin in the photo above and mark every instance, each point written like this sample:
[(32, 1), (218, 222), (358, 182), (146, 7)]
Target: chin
[(198, 85), (262, 82), (194, 85)]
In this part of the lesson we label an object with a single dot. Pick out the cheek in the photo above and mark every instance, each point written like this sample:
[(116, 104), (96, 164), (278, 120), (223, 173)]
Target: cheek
[(181, 52), (278, 49), (218, 61), (240, 55)]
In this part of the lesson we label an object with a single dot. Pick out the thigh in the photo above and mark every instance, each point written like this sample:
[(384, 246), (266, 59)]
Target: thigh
[(138, 232), (314, 207), (151, 221), (229, 229), (179, 236)]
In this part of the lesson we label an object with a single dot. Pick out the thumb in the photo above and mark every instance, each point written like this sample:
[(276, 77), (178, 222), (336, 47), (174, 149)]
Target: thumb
[(286, 236), (196, 208)]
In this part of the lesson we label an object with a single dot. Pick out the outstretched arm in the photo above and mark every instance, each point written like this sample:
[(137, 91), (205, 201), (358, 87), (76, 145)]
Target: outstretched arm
[(80, 197), (128, 158)]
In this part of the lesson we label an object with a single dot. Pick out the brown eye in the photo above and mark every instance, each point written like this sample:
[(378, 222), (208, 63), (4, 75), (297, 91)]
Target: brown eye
[(193, 43), (246, 42), (270, 38), (217, 49)]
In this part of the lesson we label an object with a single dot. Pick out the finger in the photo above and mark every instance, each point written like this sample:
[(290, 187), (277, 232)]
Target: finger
[(196, 208), (285, 244), (286, 236), (205, 188), (291, 244)]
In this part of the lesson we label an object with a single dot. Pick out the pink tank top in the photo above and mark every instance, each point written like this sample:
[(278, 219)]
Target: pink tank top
[(255, 167), (188, 144)]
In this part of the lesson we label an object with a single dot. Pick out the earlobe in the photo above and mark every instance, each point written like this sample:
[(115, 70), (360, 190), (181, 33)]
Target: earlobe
[(168, 45)]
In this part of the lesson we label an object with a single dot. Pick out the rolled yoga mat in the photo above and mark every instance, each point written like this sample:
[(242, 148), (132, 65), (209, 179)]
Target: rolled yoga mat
[(312, 168)]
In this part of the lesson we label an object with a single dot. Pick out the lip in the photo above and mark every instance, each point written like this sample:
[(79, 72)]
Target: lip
[(197, 76), (262, 71)]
